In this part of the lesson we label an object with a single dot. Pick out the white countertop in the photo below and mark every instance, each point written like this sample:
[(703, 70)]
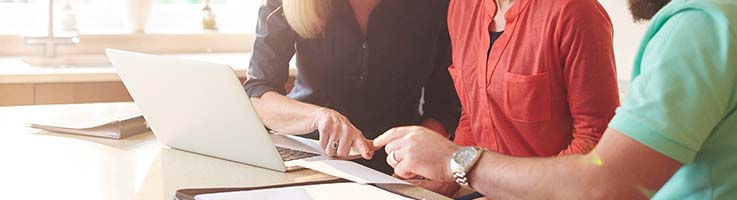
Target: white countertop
[(14, 71), (44, 165)]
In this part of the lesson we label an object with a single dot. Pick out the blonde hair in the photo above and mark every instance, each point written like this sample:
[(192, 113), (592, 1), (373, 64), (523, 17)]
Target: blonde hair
[(307, 17)]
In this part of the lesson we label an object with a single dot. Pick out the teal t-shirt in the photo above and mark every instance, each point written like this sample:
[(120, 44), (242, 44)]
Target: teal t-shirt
[(682, 101)]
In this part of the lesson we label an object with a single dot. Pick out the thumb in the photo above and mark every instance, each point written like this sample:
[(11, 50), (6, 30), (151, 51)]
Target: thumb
[(371, 145)]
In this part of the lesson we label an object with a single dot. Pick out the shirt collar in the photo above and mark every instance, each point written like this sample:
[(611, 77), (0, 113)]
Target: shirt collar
[(513, 12)]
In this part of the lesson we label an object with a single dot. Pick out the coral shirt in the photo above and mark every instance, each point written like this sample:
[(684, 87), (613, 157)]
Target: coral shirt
[(549, 86)]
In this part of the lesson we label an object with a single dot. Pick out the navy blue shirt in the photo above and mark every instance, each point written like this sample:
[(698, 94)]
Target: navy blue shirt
[(377, 79)]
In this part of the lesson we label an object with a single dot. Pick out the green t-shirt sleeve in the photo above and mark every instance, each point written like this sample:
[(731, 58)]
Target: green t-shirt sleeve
[(683, 88)]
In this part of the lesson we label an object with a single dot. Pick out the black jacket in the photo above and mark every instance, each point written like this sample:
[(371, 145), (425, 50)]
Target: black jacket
[(376, 80)]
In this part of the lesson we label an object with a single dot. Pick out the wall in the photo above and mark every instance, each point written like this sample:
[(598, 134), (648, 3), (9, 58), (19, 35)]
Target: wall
[(627, 35)]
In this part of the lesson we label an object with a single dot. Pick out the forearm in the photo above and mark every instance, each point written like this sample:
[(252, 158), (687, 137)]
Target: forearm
[(566, 177), (285, 115), (502, 177), (618, 168)]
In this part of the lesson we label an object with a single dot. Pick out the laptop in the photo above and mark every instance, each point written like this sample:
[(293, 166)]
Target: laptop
[(202, 108)]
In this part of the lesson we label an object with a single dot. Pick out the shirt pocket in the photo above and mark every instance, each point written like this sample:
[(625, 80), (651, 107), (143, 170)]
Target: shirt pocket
[(527, 97)]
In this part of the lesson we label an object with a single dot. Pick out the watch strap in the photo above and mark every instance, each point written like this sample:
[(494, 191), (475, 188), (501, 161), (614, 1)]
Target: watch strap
[(461, 178)]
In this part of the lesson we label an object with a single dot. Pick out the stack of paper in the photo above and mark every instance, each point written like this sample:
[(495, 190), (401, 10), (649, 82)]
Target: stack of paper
[(118, 121)]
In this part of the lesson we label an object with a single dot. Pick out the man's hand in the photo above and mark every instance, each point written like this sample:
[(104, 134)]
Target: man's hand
[(338, 135), (416, 150)]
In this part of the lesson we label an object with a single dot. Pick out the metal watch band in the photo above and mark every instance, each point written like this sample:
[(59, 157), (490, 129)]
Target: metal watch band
[(461, 178)]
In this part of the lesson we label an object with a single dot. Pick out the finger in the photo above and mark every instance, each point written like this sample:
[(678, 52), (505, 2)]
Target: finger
[(330, 149), (395, 145), (390, 160), (324, 130), (389, 136), (364, 147), (370, 144), (344, 148), (324, 138), (335, 137), (404, 170), (399, 154)]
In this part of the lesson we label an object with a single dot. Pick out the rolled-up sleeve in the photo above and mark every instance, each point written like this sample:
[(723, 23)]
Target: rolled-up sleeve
[(272, 51), (441, 100)]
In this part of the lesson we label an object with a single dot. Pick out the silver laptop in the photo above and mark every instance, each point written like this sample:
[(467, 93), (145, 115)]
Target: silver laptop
[(202, 107)]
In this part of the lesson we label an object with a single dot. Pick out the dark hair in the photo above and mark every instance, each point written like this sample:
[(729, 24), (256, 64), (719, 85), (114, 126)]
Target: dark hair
[(643, 10)]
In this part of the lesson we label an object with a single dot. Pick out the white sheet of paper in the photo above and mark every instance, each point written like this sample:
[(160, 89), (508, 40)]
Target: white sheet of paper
[(350, 171), (352, 191)]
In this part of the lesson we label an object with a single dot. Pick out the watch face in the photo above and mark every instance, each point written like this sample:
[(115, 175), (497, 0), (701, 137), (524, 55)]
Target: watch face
[(464, 156)]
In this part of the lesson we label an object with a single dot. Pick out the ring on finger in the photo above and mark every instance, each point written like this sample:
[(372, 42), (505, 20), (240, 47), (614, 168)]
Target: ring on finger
[(394, 157), (334, 145)]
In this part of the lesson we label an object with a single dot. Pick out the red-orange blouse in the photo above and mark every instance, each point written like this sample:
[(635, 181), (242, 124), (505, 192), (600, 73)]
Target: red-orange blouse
[(550, 84)]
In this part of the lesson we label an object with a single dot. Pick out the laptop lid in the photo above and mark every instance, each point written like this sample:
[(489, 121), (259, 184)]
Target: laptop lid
[(196, 106)]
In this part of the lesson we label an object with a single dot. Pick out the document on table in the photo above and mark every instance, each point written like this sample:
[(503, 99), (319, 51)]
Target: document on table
[(115, 121), (352, 191), (350, 171)]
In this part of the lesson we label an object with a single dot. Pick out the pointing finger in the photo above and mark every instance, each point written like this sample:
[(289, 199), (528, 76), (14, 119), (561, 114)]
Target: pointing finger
[(389, 136)]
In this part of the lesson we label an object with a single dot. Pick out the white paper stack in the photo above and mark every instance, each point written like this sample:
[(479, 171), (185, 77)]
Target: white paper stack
[(117, 121)]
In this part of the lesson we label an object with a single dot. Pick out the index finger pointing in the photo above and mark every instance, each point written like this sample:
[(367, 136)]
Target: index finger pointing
[(389, 136)]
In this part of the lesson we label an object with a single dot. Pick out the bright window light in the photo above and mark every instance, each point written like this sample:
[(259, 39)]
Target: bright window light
[(29, 17)]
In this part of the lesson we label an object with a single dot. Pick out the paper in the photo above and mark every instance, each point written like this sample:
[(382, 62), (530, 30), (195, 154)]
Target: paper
[(89, 117), (101, 120), (341, 191), (350, 171)]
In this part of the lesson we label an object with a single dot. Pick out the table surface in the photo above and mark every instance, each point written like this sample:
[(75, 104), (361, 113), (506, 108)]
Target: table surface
[(43, 165)]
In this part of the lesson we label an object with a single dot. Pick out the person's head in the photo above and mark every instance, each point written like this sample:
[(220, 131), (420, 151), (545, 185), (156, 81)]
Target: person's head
[(643, 10), (307, 17)]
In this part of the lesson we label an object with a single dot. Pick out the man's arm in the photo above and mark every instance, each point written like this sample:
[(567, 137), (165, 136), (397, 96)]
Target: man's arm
[(618, 168)]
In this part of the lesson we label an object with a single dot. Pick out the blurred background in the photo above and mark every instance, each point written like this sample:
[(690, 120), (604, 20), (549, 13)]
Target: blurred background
[(54, 55)]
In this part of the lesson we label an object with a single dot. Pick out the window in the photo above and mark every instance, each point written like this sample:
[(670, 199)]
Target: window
[(29, 17)]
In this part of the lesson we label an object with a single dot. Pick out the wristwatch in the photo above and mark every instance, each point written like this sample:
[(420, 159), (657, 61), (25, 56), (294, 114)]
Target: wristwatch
[(463, 161)]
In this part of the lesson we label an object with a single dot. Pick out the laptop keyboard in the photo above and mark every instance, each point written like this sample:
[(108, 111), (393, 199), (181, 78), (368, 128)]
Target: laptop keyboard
[(288, 154)]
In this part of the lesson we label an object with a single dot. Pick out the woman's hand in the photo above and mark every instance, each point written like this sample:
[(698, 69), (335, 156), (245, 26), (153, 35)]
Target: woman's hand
[(338, 135)]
